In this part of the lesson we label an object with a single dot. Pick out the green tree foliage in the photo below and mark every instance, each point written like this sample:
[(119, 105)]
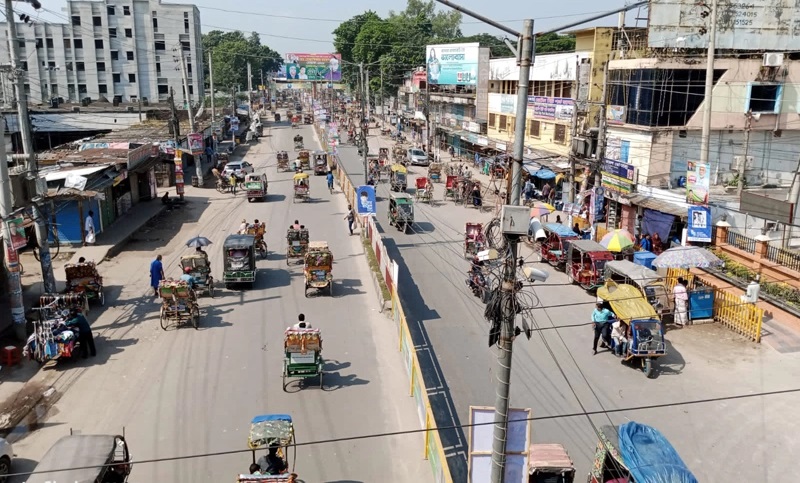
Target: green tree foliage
[(553, 42), (344, 39), (230, 53), (496, 44)]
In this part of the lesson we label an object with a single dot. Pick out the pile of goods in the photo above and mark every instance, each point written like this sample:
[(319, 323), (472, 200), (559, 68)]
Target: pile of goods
[(170, 288), (319, 259), (51, 338), (293, 235), (302, 340), (82, 277)]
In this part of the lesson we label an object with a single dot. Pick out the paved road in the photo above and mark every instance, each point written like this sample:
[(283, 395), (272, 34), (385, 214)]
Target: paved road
[(555, 374), (187, 392)]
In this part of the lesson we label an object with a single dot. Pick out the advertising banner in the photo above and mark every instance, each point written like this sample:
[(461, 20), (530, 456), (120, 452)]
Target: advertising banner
[(314, 67), (453, 64), (552, 108), (697, 183), (366, 200), (618, 176), (17, 232), (179, 183), (195, 143), (699, 229)]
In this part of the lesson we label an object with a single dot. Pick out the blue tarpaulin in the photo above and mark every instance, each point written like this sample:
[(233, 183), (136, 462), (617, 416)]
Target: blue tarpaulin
[(544, 173), (650, 457), (657, 222)]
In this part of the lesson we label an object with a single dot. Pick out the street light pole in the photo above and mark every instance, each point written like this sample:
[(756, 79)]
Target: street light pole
[(705, 137)]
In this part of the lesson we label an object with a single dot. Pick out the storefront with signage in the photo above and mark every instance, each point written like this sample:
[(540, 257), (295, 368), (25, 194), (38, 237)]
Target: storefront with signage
[(618, 181)]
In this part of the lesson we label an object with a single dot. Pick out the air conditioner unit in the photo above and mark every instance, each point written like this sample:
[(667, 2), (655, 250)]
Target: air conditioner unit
[(129, 109), (737, 163), (76, 109), (772, 59)]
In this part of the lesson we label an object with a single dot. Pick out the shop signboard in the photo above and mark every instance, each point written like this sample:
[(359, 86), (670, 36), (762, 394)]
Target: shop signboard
[(618, 176), (453, 64), (552, 108), (697, 183), (508, 104), (699, 229), (314, 67)]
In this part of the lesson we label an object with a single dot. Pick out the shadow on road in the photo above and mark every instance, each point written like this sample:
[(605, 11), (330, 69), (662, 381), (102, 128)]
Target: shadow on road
[(333, 381), (24, 466), (347, 286)]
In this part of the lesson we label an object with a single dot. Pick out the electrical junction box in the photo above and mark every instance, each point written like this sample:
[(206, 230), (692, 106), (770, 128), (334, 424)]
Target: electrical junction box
[(514, 220)]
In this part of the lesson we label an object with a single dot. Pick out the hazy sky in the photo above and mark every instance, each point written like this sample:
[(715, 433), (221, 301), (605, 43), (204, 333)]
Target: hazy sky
[(306, 25)]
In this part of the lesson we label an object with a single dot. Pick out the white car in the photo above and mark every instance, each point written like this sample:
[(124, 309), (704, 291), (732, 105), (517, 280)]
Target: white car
[(239, 168), (6, 455), (417, 157)]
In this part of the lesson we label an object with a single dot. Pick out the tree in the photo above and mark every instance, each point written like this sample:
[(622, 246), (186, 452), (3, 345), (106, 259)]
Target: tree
[(553, 42), (230, 53), (496, 44), (344, 39)]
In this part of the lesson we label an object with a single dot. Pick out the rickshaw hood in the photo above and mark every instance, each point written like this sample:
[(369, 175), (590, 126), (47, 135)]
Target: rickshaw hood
[(627, 301), (650, 457)]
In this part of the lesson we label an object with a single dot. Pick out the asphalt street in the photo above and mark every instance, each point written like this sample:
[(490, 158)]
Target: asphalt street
[(708, 398), (187, 392)]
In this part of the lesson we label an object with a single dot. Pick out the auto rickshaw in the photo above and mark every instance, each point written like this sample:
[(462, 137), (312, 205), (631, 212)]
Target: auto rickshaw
[(318, 267), (271, 430), (435, 172), (320, 163), (298, 142), (651, 285), (295, 121), (553, 248), (256, 186), (637, 452), (398, 178), (401, 211), (586, 262), (383, 155), (550, 463), (308, 119), (277, 117), (302, 188), (296, 243), (645, 333), (92, 457), (399, 153), (197, 262), (304, 156), (240, 260), (283, 161)]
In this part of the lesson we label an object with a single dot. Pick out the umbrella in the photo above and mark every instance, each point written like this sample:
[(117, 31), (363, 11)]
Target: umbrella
[(687, 257), (541, 210), (198, 241), (617, 240)]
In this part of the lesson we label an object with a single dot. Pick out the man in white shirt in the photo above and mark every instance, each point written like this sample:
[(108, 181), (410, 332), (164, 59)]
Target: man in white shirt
[(88, 228), (681, 302), (301, 323)]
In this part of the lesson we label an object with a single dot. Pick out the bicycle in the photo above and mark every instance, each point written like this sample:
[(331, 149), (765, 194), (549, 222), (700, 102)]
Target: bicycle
[(54, 242)]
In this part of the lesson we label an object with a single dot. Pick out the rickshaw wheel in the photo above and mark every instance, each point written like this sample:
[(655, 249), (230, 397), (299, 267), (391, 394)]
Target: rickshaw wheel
[(163, 319), (283, 376), (211, 289), (102, 298), (195, 317), (320, 379), (647, 367), (330, 289)]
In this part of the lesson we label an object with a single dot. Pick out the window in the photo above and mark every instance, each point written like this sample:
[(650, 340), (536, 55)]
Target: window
[(110, 9), (80, 66), (503, 123), (186, 26), (155, 24), (131, 78), (101, 67), (492, 119), (763, 98), (82, 89), (67, 43), (160, 45), (78, 43), (102, 89), (129, 54), (39, 43), (114, 55), (21, 44), (126, 10), (116, 77), (112, 33), (186, 46), (98, 43), (24, 65), (48, 43), (69, 67), (189, 68), (158, 68), (163, 89), (191, 90), (97, 21), (129, 33), (76, 20), (561, 134), (51, 65), (534, 128)]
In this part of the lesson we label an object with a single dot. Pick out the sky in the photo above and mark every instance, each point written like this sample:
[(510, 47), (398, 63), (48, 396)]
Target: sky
[(306, 25)]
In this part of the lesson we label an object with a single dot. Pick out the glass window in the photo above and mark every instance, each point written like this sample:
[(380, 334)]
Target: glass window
[(116, 77), (101, 67), (114, 55), (76, 20), (131, 78), (67, 43), (112, 33), (126, 10), (80, 66), (97, 21), (534, 128), (48, 43), (82, 89), (110, 9), (560, 134), (503, 123), (78, 43), (129, 33), (492, 119), (98, 43), (129, 54)]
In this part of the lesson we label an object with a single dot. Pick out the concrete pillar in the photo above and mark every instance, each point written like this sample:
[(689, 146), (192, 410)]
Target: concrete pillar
[(760, 255), (721, 234)]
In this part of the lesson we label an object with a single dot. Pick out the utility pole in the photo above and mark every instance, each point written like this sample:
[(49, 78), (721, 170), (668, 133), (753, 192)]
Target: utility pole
[(601, 134), (793, 197), (364, 144), (186, 93), (743, 164), (705, 137), (39, 215), (12, 261), (176, 124), (211, 84), (574, 131), (368, 96), (250, 88), (383, 106)]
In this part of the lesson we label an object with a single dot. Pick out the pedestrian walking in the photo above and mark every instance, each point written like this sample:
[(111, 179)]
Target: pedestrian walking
[(351, 218), (156, 274), (600, 319), (232, 181), (681, 302), (88, 228), (85, 337)]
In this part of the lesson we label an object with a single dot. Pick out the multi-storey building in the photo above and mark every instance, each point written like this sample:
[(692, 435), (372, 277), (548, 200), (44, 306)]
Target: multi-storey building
[(118, 50)]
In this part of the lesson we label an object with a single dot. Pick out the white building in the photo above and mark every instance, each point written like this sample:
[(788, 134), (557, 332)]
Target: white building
[(113, 49)]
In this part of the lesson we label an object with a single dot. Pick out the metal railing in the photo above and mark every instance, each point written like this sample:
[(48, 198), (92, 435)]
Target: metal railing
[(741, 242), (785, 258)]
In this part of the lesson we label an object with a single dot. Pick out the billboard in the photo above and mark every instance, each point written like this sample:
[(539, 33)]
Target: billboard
[(314, 67), (751, 25), (697, 183), (453, 64), (699, 229), (552, 108), (618, 176)]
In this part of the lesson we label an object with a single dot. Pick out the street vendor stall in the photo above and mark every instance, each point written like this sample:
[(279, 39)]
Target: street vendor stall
[(83, 278), (51, 338)]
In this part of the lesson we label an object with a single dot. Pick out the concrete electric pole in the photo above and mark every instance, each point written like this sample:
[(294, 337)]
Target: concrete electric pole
[(211, 86), (39, 214), (705, 137), (364, 132), (11, 258)]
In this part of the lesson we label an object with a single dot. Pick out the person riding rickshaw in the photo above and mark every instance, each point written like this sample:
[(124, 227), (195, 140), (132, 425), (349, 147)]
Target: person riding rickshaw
[(298, 142), (302, 188), (258, 230)]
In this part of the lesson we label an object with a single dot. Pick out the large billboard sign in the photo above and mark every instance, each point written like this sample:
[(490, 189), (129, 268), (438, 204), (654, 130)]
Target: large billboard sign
[(750, 25), (453, 64), (314, 67)]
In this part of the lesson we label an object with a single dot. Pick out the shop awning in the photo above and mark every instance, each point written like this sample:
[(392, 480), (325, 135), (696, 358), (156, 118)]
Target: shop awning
[(543, 173), (65, 173), (659, 205)]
